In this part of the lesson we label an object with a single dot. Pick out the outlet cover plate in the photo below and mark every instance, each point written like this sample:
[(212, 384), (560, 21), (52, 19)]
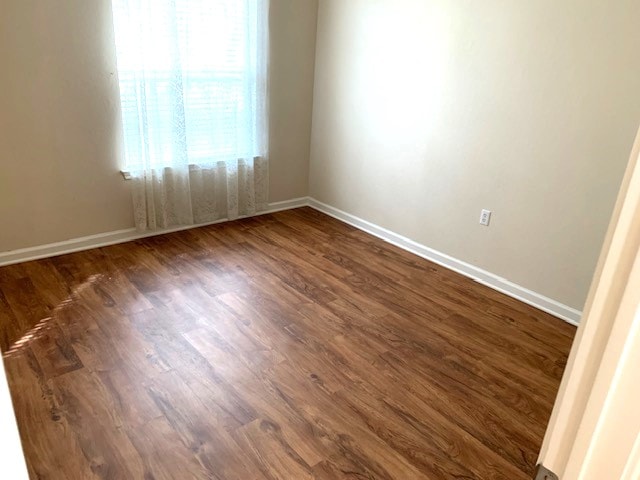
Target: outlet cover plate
[(485, 217)]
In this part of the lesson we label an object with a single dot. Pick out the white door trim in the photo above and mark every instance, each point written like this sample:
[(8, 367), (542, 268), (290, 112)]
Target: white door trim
[(595, 422)]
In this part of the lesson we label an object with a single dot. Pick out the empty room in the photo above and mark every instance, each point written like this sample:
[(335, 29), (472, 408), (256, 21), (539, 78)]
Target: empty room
[(319, 239)]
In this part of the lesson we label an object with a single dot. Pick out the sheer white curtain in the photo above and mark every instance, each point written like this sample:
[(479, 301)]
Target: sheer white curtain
[(193, 81)]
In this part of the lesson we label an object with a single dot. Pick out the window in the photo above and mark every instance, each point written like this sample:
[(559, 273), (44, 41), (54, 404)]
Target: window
[(192, 77)]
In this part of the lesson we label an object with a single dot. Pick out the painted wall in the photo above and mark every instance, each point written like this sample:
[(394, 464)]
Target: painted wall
[(425, 112), (60, 120)]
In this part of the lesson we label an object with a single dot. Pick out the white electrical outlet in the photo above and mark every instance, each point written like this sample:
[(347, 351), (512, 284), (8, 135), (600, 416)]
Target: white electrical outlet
[(485, 217)]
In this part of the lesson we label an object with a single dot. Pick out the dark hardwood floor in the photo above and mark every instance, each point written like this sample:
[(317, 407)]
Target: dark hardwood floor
[(287, 346)]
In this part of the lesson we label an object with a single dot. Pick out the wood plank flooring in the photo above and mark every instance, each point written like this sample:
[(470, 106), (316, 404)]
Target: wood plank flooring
[(286, 346)]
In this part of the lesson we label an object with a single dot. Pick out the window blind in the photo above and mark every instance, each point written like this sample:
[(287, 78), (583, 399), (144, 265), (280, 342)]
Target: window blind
[(192, 78)]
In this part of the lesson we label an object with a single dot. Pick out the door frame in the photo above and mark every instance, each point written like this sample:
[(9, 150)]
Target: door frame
[(594, 428)]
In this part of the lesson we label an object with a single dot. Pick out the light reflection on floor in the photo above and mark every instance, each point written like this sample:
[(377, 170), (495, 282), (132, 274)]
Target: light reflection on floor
[(43, 325)]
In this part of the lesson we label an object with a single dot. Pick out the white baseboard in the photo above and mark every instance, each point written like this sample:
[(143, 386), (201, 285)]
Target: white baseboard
[(119, 236), (571, 315), (546, 304), (286, 205)]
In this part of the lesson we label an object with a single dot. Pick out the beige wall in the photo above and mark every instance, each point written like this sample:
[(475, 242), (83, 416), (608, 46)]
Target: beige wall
[(425, 112), (59, 117), (293, 43)]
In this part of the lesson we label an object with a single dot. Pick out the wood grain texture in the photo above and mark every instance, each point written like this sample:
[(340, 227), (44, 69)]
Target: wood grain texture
[(287, 346)]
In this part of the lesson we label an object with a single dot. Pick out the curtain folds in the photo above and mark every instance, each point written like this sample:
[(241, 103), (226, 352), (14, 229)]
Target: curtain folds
[(200, 194), (193, 92)]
